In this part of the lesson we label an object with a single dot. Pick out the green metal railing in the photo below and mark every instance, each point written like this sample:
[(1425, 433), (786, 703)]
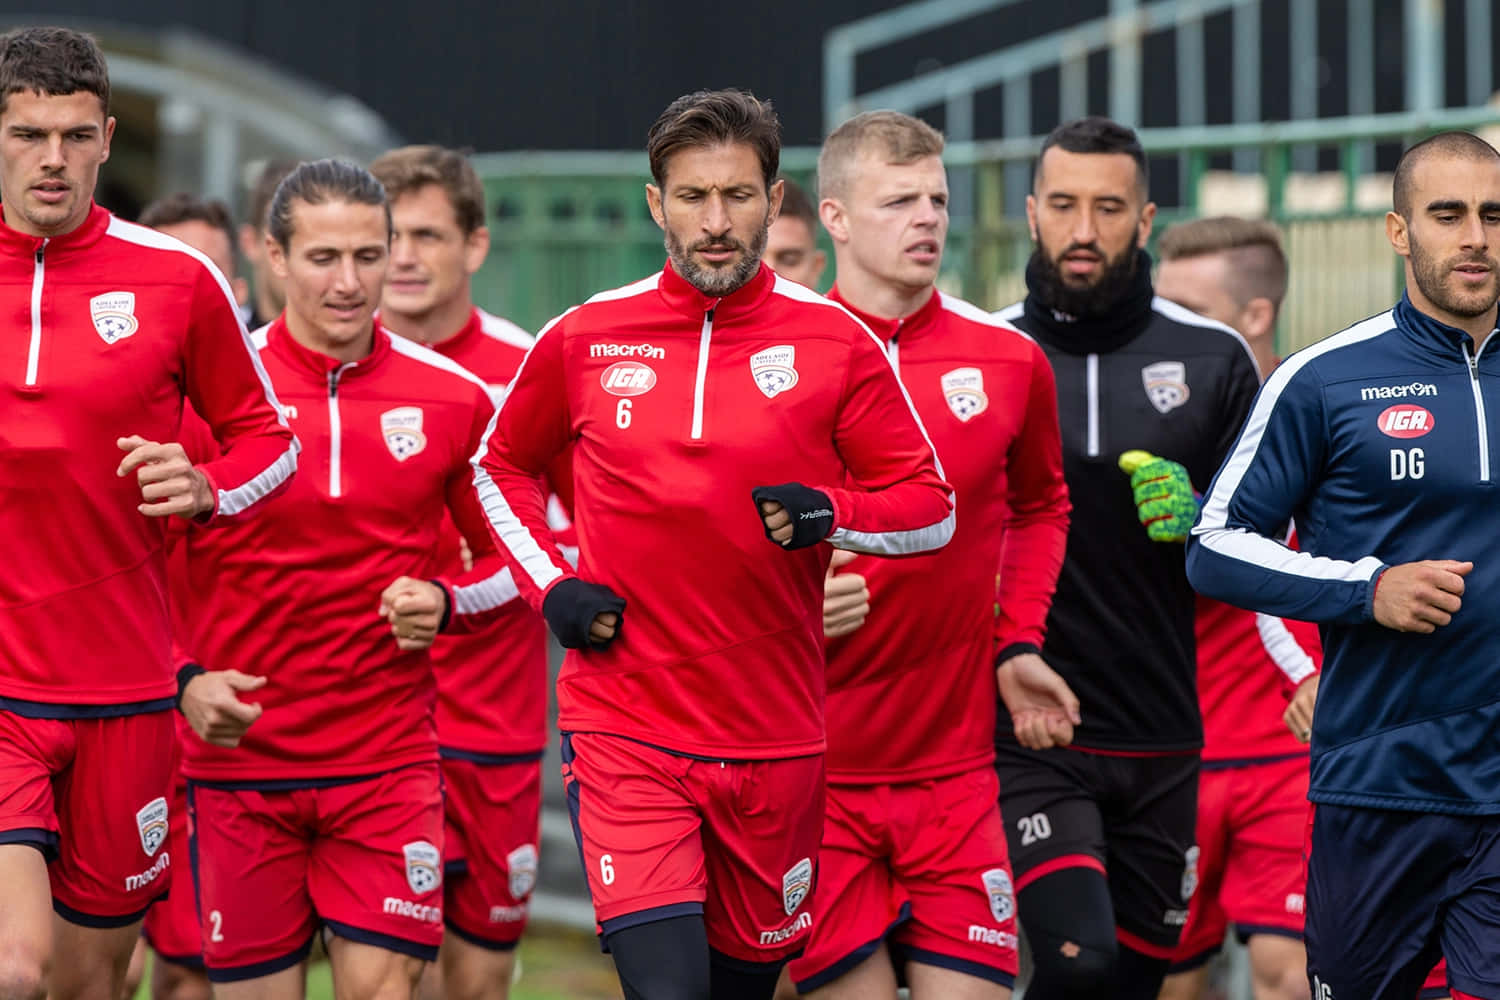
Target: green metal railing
[(566, 225)]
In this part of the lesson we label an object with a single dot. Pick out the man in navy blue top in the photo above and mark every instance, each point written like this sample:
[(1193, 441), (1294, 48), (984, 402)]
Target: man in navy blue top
[(1381, 443)]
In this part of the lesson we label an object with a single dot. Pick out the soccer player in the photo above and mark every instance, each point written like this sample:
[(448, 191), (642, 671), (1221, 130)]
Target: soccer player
[(1101, 833), (913, 876), (1252, 795), (492, 686), (111, 326), (1376, 441), (329, 808), (267, 297), (792, 244), (725, 422), (204, 225)]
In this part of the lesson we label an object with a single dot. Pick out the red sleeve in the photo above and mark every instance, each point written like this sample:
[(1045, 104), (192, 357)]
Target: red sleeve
[(529, 431), (488, 585), (228, 387), (902, 505), (1036, 524)]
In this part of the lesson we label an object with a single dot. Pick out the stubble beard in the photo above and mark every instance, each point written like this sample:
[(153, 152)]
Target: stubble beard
[(1431, 276), (718, 281)]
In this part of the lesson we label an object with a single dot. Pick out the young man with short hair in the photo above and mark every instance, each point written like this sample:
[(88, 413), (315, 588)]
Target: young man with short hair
[(724, 423), (792, 245), (114, 328)]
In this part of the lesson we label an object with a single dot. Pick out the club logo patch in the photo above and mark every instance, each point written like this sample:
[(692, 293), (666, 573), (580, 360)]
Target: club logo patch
[(774, 371), (424, 866), (402, 429), (628, 378), (1190, 873), (151, 821), (522, 866), (797, 882), (1166, 385), (113, 314), (1002, 895), (963, 388), (1405, 421)]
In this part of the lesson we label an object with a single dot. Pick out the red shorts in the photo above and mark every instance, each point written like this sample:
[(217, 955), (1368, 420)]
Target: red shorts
[(493, 826), (363, 857), (1251, 868), (171, 926), (92, 794), (923, 865), (657, 830)]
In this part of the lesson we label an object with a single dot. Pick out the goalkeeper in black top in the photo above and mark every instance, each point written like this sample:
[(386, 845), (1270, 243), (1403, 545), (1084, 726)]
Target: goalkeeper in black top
[(1150, 399)]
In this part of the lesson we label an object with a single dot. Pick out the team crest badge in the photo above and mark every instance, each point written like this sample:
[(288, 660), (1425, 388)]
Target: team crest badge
[(151, 821), (113, 314), (1190, 873), (775, 372), (963, 388), (1002, 895), (424, 866), (797, 882), (402, 428), (1166, 385), (522, 865)]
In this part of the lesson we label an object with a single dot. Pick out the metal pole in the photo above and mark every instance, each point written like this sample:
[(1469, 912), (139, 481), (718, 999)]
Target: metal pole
[(1125, 64), (960, 116), (1245, 35), (1361, 55), (1191, 85), (1478, 65), (1017, 126), (1303, 75), (1424, 54)]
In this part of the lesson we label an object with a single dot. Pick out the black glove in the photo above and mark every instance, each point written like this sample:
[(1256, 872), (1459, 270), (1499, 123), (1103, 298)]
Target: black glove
[(810, 510), (571, 607)]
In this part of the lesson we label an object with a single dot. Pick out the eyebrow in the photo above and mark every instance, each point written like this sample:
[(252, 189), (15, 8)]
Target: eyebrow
[(1449, 205)]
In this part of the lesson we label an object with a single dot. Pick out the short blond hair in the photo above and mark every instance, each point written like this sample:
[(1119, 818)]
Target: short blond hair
[(898, 137), (1257, 263)]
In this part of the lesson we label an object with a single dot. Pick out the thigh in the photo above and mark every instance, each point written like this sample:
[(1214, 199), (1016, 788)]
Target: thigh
[(952, 859), (639, 832), (1265, 876), (1153, 858), (251, 853), (492, 811), (857, 903), (172, 924), (1203, 934), (1052, 820), (376, 875), (1375, 882), (32, 751), (114, 816), (763, 824)]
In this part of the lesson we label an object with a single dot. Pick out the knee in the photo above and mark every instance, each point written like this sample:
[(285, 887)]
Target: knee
[(1075, 968), (1287, 982), (177, 982), (23, 976)]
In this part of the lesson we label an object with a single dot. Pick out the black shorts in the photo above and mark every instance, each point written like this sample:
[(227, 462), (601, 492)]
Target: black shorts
[(1132, 818)]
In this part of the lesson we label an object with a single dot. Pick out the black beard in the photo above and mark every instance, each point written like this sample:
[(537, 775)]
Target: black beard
[(1091, 301)]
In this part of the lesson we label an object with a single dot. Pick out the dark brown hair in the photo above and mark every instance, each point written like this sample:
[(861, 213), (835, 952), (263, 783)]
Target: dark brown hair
[(1096, 134), (183, 206), (318, 183), (52, 61), (263, 190), (1450, 144), (411, 168), (712, 118), (795, 204)]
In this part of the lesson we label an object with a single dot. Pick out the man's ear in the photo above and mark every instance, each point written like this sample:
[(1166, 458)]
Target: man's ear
[(653, 202)]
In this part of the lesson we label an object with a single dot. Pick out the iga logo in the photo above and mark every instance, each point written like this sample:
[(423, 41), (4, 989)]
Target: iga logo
[(1405, 421), (424, 866), (628, 378), (113, 314), (151, 821), (796, 884)]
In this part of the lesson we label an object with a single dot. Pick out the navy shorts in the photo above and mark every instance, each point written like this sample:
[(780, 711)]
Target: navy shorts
[(1390, 892)]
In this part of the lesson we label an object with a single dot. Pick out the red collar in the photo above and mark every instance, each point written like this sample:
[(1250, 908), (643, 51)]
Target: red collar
[(452, 345), (319, 365), (686, 299), (910, 327), (89, 232)]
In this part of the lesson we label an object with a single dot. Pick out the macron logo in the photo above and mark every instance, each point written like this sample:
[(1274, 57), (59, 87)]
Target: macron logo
[(802, 923), (813, 515), (979, 934), (627, 351), (417, 911), (1398, 391), (145, 878)]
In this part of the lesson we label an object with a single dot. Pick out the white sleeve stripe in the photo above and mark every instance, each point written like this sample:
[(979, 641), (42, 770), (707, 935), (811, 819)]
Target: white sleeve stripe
[(483, 595), (1283, 649), (512, 532), (1179, 314), (235, 499), (503, 330), (974, 314), (1271, 556), (895, 543)]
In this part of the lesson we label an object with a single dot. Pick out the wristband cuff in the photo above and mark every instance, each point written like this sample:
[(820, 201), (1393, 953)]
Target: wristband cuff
[(185, 676)]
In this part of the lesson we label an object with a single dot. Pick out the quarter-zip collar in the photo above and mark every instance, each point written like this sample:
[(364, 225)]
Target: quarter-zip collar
[(681, 296), (456, 343), (315, 364), (1431, 333), (13, 242), (1112, 329), (912, 327)]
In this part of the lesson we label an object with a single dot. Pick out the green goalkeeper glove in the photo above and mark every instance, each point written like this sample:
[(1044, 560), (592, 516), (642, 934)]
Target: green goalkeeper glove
[(1164, 498)]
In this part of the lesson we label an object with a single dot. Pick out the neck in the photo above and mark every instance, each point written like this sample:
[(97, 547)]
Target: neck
[(870, 295), (1264, 351), (265, 305), (1479, 327), (309, 336), (434, 326)]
